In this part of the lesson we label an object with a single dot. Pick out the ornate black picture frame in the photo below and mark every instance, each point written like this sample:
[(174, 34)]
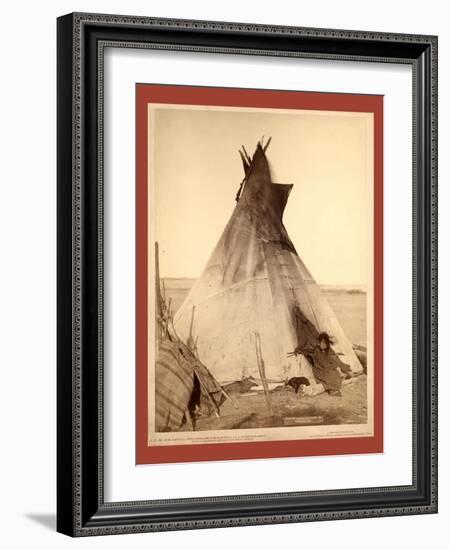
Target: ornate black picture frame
[(81, 509)]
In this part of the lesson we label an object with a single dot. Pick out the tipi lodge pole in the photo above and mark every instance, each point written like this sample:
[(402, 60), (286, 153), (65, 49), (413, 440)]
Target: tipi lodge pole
[(157, 279), (159, 312), (261, 366)]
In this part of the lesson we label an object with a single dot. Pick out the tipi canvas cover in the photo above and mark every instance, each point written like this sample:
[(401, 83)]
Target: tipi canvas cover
[(255, 288)]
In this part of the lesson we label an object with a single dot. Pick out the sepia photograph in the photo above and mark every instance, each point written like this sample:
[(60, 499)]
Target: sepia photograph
[(260, 276)]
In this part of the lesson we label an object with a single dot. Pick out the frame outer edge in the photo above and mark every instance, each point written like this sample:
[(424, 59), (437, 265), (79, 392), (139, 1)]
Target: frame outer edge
[(433, 305), (65, 246), (77, 312), (239, 27), (69, 424)]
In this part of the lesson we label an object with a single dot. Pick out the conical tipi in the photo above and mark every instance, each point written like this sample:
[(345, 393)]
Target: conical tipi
[(256, 287)]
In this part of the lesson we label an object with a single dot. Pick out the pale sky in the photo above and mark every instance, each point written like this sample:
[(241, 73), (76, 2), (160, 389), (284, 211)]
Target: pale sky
[(195, 171)]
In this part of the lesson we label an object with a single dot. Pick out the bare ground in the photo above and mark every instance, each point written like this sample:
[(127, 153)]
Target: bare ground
[(290, 409)]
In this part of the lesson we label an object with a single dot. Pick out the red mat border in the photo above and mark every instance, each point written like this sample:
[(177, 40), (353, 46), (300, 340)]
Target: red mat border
[(239, 97)]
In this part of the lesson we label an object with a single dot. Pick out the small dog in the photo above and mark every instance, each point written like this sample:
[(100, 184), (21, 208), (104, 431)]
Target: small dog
[(298, 381)]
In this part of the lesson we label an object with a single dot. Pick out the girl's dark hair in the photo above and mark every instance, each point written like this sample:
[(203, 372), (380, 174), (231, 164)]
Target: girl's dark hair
[(325, 336)]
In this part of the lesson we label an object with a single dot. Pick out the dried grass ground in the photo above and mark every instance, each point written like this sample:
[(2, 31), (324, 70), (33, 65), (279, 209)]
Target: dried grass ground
[(290, 409)]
